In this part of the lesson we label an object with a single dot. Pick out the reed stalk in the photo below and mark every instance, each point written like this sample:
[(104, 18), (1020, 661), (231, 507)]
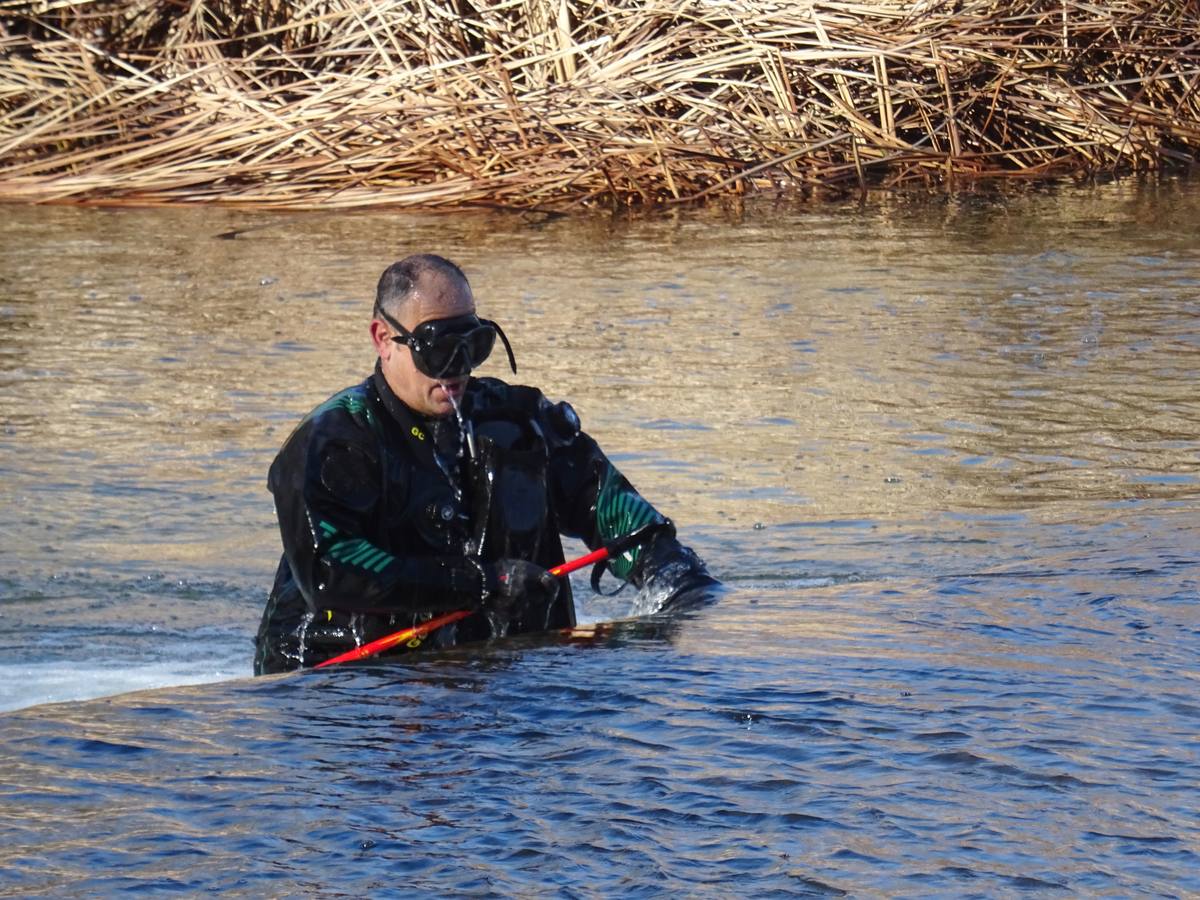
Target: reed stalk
[(558, 104)]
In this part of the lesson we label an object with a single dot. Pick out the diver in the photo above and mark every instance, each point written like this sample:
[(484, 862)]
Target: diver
[(424, 490)]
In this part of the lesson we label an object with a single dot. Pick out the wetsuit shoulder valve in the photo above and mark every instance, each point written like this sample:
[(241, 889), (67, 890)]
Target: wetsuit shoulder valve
[(565, 420)]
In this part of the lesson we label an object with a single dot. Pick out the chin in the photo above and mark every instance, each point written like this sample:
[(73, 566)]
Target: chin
[(440, 408)]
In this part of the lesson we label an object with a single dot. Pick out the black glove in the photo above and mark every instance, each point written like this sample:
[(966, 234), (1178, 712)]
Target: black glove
[(517, 591), (668, 569)]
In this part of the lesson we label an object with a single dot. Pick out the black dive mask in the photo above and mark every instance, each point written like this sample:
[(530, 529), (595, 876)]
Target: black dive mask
[(449, 348)]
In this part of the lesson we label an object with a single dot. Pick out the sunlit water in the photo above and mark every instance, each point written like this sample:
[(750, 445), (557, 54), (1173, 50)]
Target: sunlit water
[(945, 456)]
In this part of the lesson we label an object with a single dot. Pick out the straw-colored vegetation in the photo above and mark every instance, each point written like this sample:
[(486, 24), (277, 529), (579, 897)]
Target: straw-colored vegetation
[(561, 103)]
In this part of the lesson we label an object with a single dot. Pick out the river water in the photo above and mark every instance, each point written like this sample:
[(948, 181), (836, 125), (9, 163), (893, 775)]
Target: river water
[(945, 456)]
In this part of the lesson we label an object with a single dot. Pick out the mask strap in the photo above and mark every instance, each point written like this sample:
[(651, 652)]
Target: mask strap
[(404, 333), (512, 361)]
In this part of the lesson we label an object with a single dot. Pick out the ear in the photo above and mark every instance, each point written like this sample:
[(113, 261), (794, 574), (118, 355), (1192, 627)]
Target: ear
[(380, 336)]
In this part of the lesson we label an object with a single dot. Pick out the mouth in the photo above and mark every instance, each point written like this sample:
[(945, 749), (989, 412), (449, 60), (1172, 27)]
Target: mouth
[(453, 387)]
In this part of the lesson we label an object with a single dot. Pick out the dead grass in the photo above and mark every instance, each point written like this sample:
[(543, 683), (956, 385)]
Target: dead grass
[(557, 104)]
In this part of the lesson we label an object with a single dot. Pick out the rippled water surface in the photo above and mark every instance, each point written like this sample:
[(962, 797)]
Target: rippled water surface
[(946, 457)]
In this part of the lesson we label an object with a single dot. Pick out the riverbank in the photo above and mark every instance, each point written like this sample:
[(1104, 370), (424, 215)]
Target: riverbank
[(551, 104)]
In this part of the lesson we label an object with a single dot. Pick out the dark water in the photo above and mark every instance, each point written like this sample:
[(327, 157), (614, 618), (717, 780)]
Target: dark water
[(945, 456)]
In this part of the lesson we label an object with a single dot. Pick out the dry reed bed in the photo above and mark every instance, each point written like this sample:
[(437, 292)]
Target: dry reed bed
[(561, 103)]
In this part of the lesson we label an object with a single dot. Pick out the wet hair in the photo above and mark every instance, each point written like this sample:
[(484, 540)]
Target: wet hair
[(398, 280)]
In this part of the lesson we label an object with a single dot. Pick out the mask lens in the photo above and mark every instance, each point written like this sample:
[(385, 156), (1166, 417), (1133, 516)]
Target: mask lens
[(452, 355), (479, 344)]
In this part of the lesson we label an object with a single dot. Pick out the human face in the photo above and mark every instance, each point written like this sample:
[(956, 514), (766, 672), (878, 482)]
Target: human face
[(435, 296), (443, 348)]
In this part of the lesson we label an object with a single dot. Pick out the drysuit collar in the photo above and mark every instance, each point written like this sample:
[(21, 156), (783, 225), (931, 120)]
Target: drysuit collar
[(423, 435)]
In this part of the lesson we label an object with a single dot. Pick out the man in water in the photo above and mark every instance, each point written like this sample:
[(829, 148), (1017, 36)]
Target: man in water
[(424, 490)]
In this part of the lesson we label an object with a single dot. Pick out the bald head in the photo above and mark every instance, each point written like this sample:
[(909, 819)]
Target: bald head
[(420, 287)]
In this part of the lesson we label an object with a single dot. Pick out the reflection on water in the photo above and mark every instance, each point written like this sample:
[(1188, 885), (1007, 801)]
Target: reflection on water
[(945, 455), (911, 741)]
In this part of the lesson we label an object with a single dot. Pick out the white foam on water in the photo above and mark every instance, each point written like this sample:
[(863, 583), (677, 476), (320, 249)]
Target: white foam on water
[(32, 684)]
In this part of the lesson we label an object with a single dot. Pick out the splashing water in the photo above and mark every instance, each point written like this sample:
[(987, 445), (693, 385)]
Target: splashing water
[(309, 616), (498, 623), (651, 599), (464, 427), (449, 464)]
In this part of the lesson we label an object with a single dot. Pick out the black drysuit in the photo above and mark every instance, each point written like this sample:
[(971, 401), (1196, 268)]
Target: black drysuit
[(387, 518)]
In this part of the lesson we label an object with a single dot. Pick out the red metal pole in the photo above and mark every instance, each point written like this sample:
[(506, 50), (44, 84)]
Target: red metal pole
[(586, 560), (391, 640), (419, 631)]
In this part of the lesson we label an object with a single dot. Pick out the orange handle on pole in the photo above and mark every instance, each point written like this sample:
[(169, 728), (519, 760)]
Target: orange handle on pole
[(391, 640)]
